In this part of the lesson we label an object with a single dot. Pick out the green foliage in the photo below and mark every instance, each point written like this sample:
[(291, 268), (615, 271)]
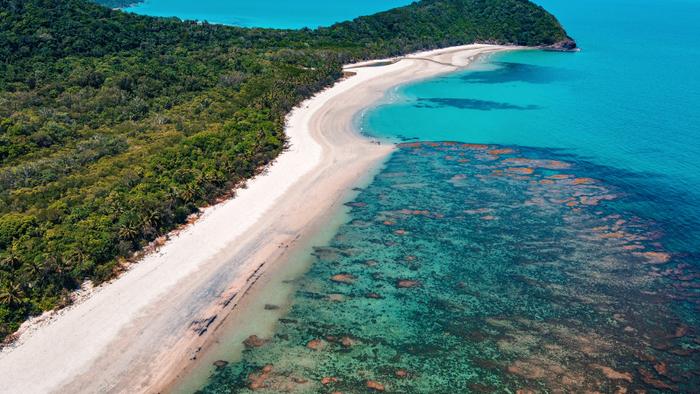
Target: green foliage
[(14, 225), (115, 127)]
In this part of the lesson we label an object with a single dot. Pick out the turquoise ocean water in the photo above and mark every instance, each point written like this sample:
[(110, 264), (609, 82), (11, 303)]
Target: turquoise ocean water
[(630, 99), (536, 231)]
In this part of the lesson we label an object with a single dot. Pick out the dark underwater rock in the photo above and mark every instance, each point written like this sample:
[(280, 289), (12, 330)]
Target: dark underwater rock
[(567, 45), (220, 363), (257, 381), (343, 278), (407, 283), (375, 386), (254, 341), (328, 380), (316, 344)]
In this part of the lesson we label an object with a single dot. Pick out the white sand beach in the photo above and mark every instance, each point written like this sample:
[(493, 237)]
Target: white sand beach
[(140, 331)]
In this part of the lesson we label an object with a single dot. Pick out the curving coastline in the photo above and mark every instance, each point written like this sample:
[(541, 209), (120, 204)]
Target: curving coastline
[(140, 332)]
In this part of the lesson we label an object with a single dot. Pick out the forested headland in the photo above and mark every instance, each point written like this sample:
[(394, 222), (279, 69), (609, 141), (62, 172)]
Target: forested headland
[(115, 127)]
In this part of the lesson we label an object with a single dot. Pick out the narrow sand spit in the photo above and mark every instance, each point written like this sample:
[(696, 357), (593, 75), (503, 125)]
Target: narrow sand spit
[(139, 332)]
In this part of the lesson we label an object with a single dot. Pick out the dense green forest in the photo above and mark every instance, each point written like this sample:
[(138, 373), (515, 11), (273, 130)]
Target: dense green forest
[(114, 127)]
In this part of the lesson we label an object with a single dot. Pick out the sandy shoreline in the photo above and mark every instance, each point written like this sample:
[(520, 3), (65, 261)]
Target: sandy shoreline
[(143, 330)]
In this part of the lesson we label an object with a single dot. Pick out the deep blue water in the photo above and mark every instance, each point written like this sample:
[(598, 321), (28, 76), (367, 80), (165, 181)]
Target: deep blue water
[(266, 13)]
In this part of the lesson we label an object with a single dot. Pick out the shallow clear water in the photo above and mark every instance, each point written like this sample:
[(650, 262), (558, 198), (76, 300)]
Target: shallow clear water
[(266, 13), (563, 255), (470, 268)]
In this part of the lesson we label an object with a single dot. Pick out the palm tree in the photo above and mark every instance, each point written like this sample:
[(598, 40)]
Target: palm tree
[(129, 229), (35, 270), (9, 260), (151, 217), (188, 193), (11, 294), (76, 255), (149, 220)]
